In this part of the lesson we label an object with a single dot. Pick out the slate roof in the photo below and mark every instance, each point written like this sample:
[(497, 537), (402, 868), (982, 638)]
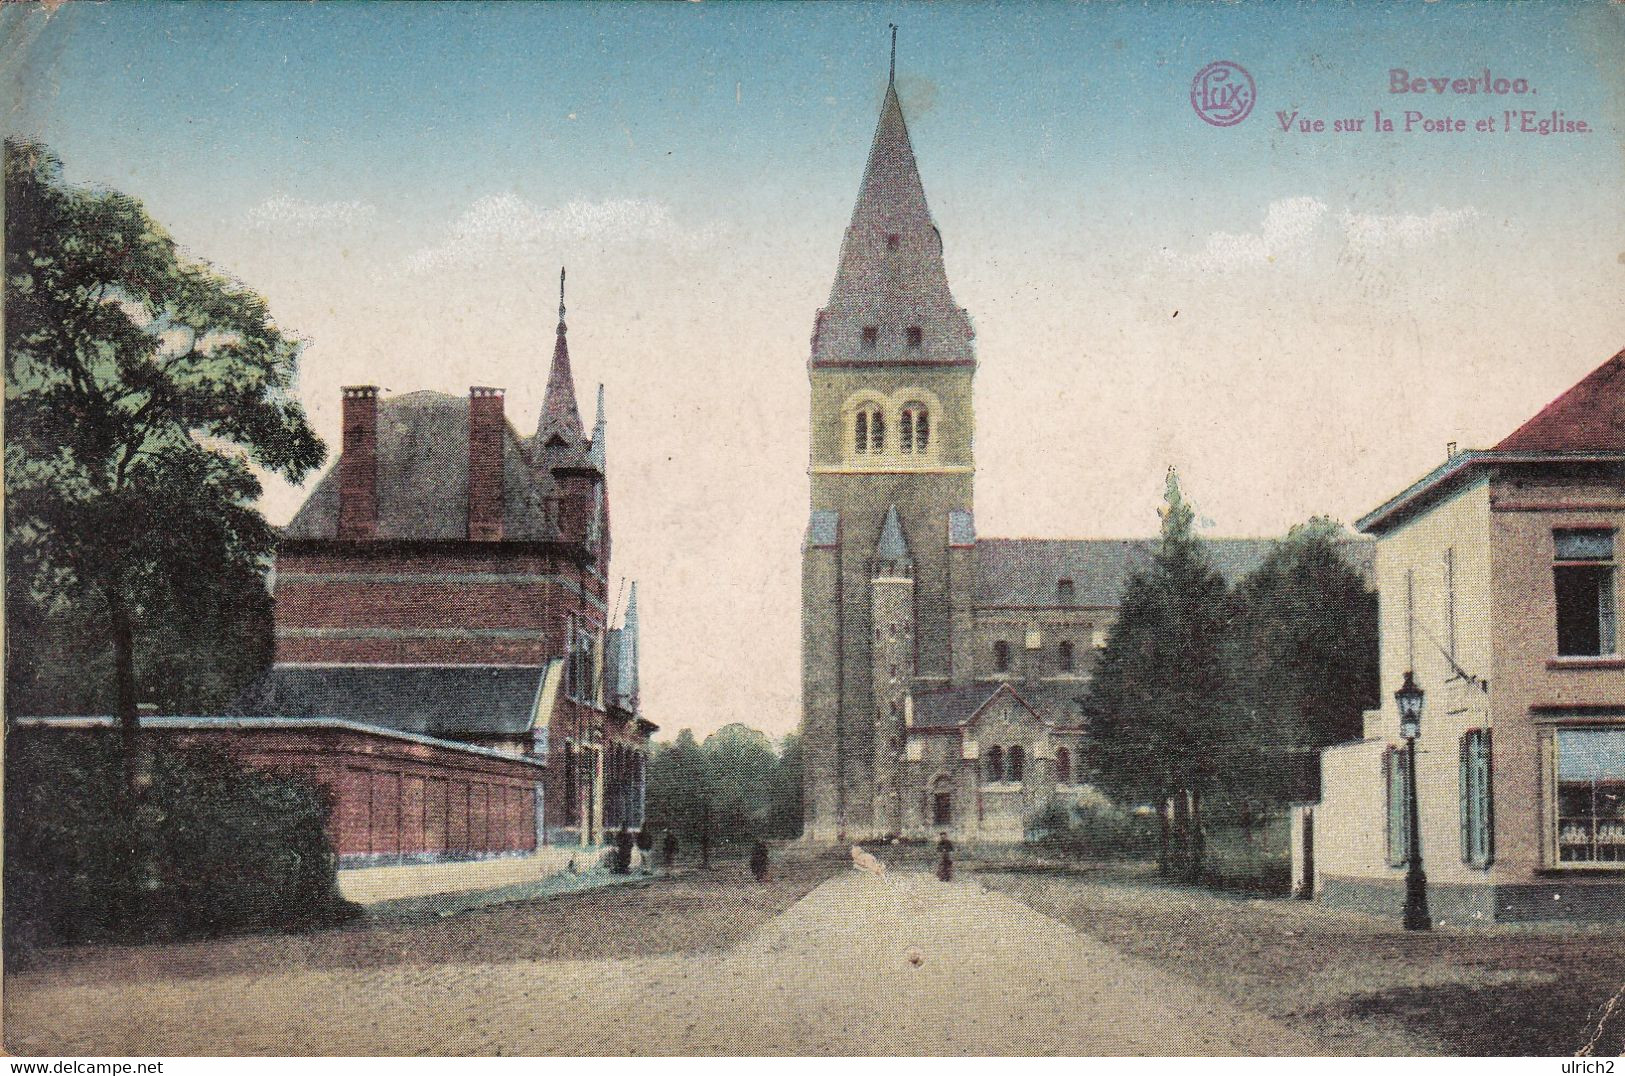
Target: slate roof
[(1026, 571), (1590, 417), (446, 702), (423, 478), (892, 545), (1057, 703), (891, 274)]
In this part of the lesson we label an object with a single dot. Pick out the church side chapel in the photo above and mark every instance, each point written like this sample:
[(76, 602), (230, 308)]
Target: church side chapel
[(943, 674)]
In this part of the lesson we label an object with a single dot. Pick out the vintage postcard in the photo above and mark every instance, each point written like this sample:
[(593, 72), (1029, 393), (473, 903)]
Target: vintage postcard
[(886, 529)]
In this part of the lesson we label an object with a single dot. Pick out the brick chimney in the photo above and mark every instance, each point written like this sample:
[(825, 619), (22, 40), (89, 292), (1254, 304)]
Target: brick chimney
[(485, 437), (358, 465)]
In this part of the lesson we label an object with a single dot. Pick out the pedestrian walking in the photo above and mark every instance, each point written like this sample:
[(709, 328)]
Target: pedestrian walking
[(945, 858)]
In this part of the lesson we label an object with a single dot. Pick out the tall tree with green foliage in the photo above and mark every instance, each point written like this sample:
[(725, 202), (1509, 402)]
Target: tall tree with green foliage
[(140, 389), (1304, 661), (1161, 707), (735, 783)]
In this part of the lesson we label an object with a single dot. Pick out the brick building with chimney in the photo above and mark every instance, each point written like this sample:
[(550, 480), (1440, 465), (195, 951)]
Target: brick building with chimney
[(447, 584)]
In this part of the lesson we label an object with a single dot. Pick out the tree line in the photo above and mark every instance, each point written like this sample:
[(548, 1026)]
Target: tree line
[(1212, 700), (731, 789)]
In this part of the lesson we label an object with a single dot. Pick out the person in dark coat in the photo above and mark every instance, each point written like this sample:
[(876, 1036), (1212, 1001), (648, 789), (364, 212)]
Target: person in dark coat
[(668, 849), (945, 859), (758, 861)]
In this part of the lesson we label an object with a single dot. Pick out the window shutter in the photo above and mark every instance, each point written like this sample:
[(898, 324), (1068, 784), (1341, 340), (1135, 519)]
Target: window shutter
[(1468, 796), (1486, 810)]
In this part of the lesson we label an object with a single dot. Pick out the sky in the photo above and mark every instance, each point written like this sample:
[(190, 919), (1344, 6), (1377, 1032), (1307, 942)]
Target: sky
[(1298, 321)]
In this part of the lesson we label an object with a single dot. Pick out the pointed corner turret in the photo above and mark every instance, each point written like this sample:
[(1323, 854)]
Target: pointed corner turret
[(891, 551), (596, 455), (559, 430), (627, 675)]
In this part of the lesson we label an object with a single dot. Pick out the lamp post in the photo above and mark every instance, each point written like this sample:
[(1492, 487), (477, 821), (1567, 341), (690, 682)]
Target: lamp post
[(1409, 698)]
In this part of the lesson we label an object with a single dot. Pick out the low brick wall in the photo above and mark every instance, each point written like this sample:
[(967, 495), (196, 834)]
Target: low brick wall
[(396, 798)]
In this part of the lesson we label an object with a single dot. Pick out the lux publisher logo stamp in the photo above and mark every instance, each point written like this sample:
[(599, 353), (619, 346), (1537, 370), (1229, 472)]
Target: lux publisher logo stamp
[(1223, 94)]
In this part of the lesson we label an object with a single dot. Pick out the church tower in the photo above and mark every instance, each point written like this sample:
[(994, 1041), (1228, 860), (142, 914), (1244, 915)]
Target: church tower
[(892, 473)]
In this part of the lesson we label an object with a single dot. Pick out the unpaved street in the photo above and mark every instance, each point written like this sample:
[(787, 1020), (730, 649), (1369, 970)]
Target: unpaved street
[(832, 975)]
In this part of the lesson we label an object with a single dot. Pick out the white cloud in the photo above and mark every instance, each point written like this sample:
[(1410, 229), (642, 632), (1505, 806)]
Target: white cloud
[(1288, 225), (1371, 232), (294, 215), (507, 226)]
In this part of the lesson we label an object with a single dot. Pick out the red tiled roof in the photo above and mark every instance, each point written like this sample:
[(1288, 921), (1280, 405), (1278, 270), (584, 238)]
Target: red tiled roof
[(1590, 417)]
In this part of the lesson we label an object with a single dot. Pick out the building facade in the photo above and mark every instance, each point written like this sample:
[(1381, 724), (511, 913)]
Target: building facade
[(448, 578), (1499, 588), (943, 674)]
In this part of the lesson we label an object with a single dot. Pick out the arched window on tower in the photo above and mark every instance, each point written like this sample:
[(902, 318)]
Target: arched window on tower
[(1001, 656), (995, 764), (868, 430), (1063, 766), (1017, 763), (914, 429), (1063, 656)]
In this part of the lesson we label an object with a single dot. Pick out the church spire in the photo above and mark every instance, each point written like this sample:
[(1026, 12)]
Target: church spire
[(560, 420), (890, 300)]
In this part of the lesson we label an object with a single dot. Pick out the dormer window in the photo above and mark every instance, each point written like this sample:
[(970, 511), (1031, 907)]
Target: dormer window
[(1065, 592), (871, 336), (916, 337)]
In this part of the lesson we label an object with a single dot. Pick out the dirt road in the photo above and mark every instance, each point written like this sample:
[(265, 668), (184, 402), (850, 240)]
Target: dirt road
[(832, 975)]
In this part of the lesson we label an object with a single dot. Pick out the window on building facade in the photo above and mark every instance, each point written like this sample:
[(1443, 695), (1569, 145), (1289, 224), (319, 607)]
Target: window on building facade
[(871, 336), (914, 429), (1063, 766), (1001, 656), (569, 784), (1065, 592), (1016, 763), (1584, 579), (1477, 804), (1399, 807), (1590, 797), (916, 337), (570, 686), (892, 241), (868, 430), (1063, 656), (995, 764)]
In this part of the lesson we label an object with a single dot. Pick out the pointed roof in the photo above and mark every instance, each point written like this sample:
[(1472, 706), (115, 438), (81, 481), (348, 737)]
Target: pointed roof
[(892, 545), (560, 417), (891, 275), (1590, 417), (626, 673), (596, 455)]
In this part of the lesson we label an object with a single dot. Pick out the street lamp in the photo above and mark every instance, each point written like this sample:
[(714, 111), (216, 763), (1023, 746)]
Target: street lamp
[(1409, 699)]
